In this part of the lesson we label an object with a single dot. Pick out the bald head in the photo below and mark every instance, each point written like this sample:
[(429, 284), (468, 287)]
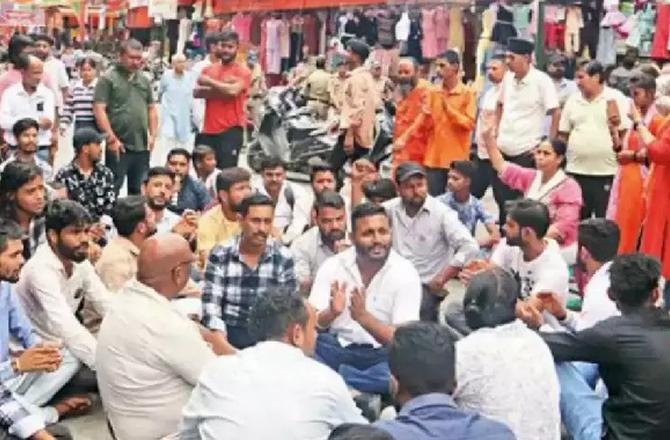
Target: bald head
[(32, 74), (164, 263), (179, 63), (408, 75)]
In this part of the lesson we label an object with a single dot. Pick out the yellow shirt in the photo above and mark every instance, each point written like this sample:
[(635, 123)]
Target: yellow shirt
[(215, 228)]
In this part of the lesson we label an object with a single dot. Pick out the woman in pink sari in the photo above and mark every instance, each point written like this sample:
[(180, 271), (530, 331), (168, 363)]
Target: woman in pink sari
[(549, 185)]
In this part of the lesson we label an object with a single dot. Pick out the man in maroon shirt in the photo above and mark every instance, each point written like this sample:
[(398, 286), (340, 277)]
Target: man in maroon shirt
[(224, 87)]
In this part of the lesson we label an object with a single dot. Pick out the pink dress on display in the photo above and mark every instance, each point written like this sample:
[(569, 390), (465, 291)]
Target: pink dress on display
[(272, 48), (442, 29), (429, 41), (242, 25)]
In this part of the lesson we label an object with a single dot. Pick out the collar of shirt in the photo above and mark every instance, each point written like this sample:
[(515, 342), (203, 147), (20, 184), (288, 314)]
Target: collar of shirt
[(602, 95), (91, 86), (432, 400), (428, 207), (350, 264), (144, 290), (526, 78), (40, 91), (458, 90), (128, 245), (271, 248)]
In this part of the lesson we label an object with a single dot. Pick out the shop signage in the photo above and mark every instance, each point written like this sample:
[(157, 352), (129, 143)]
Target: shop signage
[(21, 18)]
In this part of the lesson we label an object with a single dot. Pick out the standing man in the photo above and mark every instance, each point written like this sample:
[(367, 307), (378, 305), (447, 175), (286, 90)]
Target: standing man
[(383, 85), (526, 97), (336, 85), (358, 109), (429, 234), (495, 72), (225, 87), (410, 138), (125, 111), (213, 46), (556, 70), (315, 90), (586, 125), (453, 110), (620, 77), (176, 94), (243, 269), (29, 99)]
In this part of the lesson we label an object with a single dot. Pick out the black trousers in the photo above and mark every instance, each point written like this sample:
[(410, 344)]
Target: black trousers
[(595, 194), (483, 179), (338, 157), (502, 193), (226, 145), (131, 164)]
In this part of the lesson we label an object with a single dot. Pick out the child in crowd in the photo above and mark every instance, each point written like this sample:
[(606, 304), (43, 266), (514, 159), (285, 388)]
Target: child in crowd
[(25, 131), (469, 208), (204, 164)]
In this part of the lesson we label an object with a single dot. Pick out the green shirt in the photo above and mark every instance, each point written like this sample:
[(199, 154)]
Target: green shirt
[(128, 96)]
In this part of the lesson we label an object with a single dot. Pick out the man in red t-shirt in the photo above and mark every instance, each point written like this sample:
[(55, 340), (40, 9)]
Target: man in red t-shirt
[(224, 87)]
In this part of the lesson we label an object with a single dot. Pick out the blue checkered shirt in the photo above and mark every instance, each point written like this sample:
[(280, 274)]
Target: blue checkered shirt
[(231, 287)]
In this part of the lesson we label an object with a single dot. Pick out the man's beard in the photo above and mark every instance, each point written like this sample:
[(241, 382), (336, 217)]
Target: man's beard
[(514, 240), (414, 202), (73, 254), (558, 74), (333, 237), (225, 58), (368, 252), (155, 205), (10, 277)]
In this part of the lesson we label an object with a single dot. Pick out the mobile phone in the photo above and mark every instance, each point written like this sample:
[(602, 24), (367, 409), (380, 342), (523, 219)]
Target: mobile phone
[(40, 106)]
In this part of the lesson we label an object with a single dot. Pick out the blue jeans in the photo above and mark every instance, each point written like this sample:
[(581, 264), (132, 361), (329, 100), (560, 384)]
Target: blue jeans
[(581, 406), (362, 367)]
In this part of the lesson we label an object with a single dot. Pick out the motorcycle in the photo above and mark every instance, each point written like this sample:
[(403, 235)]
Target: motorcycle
[(289, 131)]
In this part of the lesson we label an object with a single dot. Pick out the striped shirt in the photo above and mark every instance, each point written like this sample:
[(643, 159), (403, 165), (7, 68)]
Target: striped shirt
[(79, 105)]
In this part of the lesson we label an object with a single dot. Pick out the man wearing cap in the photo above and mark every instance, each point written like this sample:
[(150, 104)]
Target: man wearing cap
[(316, 90), (526, 97), (428, 234), (358, 108), (453, 110)]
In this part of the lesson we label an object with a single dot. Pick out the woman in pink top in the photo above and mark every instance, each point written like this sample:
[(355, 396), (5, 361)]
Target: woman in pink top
[(549, 185)]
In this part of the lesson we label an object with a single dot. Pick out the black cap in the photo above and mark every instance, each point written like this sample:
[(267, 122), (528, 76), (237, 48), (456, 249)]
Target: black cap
[(408, 169), (520, 46), (359, 47)]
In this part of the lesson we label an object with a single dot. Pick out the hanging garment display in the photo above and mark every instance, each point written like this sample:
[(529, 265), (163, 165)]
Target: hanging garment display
[(442, 29), (659, 47), (504, 26), (456, 32), (429, 41)]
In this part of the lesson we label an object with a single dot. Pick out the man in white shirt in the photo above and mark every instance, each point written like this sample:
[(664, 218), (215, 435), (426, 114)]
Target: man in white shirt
[(150, 356), (212, 44), (534, 260), (495, 72), (58, 278), (589, 123), (53, 67), (361, 295), (273, 390), (429, 234), (526, 97), (322, 241), (556, 70), (292, 203), (29, 99)]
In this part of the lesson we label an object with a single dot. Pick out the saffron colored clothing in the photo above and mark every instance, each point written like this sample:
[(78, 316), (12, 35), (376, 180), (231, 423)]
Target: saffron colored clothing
[(407, 111), (562, 195)]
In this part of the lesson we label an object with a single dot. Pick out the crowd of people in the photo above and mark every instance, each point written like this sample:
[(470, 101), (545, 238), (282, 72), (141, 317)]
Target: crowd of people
[(210, 302)]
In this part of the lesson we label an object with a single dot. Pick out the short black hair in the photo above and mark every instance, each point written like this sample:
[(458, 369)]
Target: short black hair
[(274, 312), (231, 176), (600, 237), (320, 62), (179, 152), (591, 68), (272, 162), (13, 177), (158, 171), (86, 60), (422, 357), (328, 199), (352, 431), (320, 167), (559, 146), (211, 39), (364, 210), (85, 136), (130, 44), (256, 199), (465, 168), (531, 214), (201, 151), (490, 299), (633, 278), (17, 45), (43, 37), (643, 81), (128, 213), (384, 189), (24, 124), (451, 56), (63, 213), (230, 35), (9, 230)]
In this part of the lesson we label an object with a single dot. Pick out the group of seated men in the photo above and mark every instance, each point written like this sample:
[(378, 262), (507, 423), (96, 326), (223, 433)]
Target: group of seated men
[(265, 313)]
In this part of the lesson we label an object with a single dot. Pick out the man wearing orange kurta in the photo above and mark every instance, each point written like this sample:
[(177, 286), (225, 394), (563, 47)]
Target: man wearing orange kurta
[(410, 136), (453, 111)]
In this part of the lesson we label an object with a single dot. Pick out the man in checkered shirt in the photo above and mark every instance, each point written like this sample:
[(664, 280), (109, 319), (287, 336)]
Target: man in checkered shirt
[(243, 269)]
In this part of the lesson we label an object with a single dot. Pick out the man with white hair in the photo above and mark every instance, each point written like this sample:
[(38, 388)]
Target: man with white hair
[(176, 95)]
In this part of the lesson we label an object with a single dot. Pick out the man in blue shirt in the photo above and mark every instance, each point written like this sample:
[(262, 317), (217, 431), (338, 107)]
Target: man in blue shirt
[(422, 361), (190, 193)]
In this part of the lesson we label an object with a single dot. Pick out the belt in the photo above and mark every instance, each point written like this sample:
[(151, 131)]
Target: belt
[(322, 101)]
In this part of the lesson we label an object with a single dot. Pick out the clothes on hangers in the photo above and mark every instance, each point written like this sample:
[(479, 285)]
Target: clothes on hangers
[(483, 45), (414, 40), (504, 26), (386, 29), (456, 32), (429, 41), (402, 27), (659, 47), (573, 25), (241, 23), (273, 46), (442, 28), (521, 19)]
